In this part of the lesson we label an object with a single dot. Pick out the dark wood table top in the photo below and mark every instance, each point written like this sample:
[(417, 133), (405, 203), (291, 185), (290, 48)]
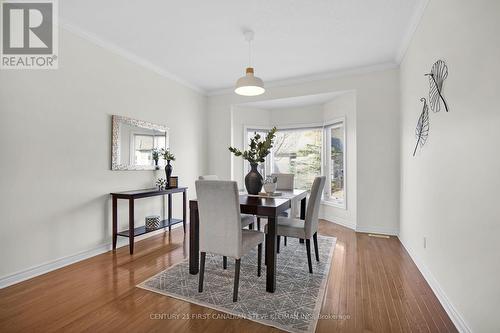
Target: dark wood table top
[(148, 192), (267, 206)]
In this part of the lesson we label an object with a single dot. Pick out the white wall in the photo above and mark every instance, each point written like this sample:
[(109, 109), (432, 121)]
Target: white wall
[(377, 139), (55, 143), (449, 191)]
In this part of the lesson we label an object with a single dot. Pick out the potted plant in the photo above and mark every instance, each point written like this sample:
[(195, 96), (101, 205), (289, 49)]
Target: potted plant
[(259, 149), (168, 156), (156, 156)]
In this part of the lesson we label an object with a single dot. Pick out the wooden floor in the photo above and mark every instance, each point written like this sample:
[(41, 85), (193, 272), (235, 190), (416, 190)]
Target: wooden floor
[(373, 287)]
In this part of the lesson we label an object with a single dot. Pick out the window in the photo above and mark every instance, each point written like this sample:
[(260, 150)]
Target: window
[(308, 152), (335, 161), (298, 151)]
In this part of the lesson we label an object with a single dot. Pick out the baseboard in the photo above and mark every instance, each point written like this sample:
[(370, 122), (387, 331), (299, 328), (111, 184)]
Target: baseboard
[(454, 315), (32, 272), (378, 230)]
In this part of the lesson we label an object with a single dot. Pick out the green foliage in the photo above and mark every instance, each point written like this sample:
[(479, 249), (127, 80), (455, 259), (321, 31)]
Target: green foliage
[(259, 149), (167, 155), (156, 154)]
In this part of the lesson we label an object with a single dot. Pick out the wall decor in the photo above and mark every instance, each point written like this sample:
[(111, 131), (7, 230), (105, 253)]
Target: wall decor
[(422, 130), (438, 74), (135, 143)]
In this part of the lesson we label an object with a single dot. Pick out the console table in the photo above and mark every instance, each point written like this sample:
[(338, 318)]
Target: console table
[(138, 194)]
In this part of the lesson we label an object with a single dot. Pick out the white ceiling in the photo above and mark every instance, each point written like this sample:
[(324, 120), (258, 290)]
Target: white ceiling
[(201, 42), (294, 102)]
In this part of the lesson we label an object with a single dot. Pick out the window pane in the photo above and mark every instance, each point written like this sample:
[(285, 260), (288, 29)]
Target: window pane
[(337, 164), (298, 152)]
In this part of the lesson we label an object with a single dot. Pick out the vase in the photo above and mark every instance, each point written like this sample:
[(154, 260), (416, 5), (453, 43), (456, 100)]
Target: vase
[(156, 165), (253, 180), (168, 173)]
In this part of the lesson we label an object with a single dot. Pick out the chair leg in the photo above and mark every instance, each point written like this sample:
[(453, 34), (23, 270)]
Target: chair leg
[(308, 248), (202, 271), (285, 240), (236, 279), (315, 239), (224, 262), (258, 223), (278, 244), (259, 258)]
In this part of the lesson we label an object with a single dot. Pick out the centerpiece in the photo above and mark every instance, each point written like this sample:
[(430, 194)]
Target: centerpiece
[(259, 149), (168, 156)]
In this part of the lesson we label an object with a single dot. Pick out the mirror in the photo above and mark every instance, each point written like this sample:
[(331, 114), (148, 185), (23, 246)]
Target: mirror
[(133, 143)]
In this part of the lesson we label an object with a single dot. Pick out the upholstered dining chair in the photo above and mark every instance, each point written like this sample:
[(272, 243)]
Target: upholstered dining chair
[(220, 227), (247, 220), (293, 227)]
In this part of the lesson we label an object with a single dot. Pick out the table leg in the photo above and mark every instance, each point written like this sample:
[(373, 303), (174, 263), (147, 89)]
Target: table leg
[(194, 241), (131, 225), (271, 254), (302, 213), (184, 199), (115, 221), (169, 212)]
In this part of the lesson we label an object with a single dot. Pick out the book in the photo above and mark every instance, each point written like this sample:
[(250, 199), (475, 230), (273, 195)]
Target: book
[(274, 194)]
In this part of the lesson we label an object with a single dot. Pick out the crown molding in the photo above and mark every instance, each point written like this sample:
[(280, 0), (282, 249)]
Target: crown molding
[(127, 55), (316, 77), (410, 31)]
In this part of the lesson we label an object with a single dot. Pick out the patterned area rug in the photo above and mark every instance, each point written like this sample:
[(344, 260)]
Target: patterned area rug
[(294, 307)]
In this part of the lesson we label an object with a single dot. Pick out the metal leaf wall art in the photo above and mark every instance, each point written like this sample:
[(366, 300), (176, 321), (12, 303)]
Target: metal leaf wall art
[(422, 130), (438, 74)]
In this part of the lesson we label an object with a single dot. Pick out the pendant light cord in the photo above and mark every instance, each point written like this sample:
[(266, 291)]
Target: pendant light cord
[(249, 53)]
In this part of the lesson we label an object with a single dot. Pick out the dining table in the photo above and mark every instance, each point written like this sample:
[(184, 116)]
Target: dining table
[(263, 206)]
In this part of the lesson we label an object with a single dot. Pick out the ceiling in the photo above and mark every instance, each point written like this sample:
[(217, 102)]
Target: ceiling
[(294, 102), (201, 42)]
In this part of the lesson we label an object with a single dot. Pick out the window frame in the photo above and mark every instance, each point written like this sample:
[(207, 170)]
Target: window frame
[(336, 122)]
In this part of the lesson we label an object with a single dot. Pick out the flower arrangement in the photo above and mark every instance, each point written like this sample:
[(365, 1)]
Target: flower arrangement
[(259, 149), (161, 183), (156, 154), (167, 155)]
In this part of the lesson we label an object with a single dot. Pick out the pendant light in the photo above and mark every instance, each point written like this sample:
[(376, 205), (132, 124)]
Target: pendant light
[(249, 85)]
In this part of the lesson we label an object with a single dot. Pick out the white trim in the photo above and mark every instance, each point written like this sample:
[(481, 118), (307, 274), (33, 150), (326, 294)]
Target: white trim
[(316, 77), (412, 28), (326, 163), (452, 312), (128, 55), (378, 230), (47, 267)]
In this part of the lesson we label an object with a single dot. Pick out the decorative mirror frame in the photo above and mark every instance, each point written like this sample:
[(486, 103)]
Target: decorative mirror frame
[(115, 148)]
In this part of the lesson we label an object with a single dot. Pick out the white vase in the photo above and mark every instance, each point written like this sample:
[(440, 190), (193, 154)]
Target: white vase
[(270, 187)]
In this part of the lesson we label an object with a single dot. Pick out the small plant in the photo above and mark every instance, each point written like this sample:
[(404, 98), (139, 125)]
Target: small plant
[(259, 149), (167, 155), (161, 183)]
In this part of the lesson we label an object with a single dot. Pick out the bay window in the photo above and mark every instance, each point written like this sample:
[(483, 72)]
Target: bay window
[(308, 151)]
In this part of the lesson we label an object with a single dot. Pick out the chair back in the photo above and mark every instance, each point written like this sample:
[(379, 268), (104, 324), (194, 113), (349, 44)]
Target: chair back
[(209, 177), (285, 181), (219, 217), (312, 212)]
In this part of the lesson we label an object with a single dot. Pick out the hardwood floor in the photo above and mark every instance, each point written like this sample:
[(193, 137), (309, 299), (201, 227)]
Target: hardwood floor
[(373, 287)]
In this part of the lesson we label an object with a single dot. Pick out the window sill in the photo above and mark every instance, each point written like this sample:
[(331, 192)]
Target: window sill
[(334, 204)]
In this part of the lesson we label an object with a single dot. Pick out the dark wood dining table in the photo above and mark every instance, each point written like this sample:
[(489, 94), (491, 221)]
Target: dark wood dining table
[(267, 207)]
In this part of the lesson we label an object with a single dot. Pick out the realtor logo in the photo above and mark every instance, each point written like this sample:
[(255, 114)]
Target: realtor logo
[(29, 34)]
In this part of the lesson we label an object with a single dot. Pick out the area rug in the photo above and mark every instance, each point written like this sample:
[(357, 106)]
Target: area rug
[(293, 307)]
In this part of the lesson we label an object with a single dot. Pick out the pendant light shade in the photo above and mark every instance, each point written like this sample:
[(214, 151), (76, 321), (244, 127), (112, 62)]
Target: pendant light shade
[(249, 85)]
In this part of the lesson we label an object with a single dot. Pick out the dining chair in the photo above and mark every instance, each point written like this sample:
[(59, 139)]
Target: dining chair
[(247, 220), (220, 227), (293, 227), (285, 182)]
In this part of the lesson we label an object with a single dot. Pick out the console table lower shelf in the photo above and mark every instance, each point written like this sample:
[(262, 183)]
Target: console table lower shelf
[(141, 230)]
